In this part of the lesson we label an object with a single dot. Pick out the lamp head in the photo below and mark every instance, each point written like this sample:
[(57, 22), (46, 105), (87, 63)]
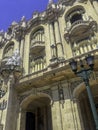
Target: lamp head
[(90, 61), (73, 65)]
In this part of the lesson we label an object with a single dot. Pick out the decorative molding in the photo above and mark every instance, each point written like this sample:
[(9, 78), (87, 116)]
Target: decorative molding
[(34, 91), (53, 62), (54, 11), (71, 2), (67, 2)]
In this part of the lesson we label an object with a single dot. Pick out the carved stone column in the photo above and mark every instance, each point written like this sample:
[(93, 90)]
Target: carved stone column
[(26, 54), (52, 40), (19, 119), (22, 48), (58, 40)]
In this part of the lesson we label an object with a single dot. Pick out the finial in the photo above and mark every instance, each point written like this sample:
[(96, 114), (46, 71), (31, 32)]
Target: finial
[(23, 18), (50, 1)]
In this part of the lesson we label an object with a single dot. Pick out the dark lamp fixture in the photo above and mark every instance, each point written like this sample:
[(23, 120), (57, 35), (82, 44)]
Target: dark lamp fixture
[(85, 73), (90, 61), (73, 65)]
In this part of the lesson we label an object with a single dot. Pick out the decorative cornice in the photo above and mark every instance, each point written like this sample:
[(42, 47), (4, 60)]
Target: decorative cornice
[(37, 18), (66, 2), (71, 2), (54, 11)]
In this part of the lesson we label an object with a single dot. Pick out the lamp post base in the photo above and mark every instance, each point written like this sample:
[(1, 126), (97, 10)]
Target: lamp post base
[(91, 100)]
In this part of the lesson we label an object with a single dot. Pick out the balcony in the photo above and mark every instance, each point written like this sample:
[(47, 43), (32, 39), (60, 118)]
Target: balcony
[(80, 29), (37, 46), (84, 46), (38, 64)]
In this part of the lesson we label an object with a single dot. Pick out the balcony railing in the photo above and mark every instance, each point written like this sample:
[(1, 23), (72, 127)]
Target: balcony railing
[(38, 64), (36, 46), (79, 23), (37, 43), (84, 47), (79, 29)]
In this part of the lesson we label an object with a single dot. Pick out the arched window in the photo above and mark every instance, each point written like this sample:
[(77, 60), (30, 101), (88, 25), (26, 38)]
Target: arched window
[(79, 31), (8, 51), (75, 18), (37, 37), (37, 51), (75, 14)]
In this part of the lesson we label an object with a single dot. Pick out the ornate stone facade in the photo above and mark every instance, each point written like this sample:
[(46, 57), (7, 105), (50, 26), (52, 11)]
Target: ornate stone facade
[(38, 90)]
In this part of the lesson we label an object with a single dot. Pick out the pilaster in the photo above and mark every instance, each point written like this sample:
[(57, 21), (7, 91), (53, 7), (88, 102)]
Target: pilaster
[(21, 120), (58, 40), (52, 41), (26, 54)]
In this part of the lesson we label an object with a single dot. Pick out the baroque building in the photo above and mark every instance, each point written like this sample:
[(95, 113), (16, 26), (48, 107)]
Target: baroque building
[(40, 91)]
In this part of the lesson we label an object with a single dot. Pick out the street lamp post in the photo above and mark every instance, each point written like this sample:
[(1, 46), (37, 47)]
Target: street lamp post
[(85, 75)]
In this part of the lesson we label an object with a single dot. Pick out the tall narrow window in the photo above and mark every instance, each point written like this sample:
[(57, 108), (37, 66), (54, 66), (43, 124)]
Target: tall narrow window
[(75, 18), (37, 51), (8, 51)]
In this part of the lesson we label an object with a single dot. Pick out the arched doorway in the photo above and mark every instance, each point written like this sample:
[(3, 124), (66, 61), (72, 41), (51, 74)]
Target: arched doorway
[(84, 105), (37, 112)]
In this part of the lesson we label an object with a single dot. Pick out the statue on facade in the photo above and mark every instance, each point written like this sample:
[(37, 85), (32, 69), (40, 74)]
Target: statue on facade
[(23, 22), (15, 60)]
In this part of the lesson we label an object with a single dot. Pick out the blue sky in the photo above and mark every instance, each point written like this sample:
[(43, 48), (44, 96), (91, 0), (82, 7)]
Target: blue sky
[(13, 10)]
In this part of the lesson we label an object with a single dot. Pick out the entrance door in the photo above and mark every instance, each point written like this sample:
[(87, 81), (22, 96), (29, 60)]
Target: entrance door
[(39, 119), (38, 113), (30, 121)]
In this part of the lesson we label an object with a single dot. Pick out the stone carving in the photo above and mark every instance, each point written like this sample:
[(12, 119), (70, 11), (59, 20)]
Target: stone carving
[(23, 22), (3, 88), (7, 36), (35, 14), (70, 2), (15, 60), (50, 2), (67, 2), (54, 10)]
